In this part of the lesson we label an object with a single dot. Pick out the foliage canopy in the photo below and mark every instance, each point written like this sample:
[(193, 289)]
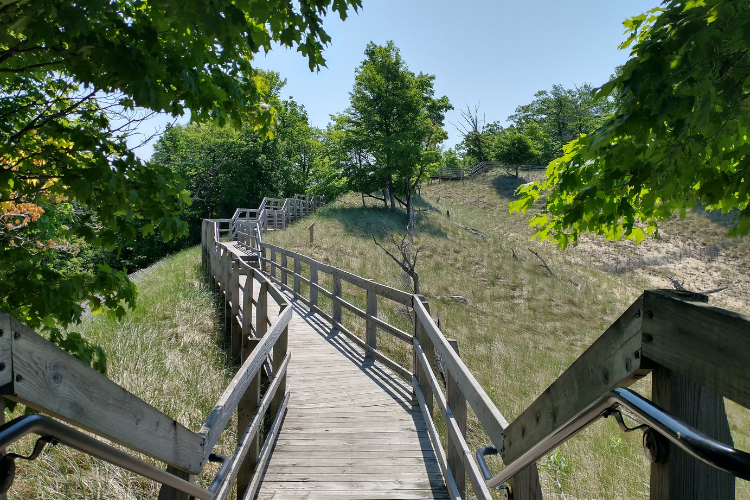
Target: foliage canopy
[(73, 77), (393, 125), (678, 139)]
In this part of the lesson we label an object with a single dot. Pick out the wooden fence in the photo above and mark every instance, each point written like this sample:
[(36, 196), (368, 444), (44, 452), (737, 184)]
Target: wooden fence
[(476, 169), (284, 267), (38, 374), (696, 355)]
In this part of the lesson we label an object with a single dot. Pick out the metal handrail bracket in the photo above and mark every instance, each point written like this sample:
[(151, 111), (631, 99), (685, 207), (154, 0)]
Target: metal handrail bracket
[(730, 460)]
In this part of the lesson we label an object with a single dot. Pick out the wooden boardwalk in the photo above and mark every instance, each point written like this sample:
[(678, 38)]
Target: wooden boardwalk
[(352, 430)]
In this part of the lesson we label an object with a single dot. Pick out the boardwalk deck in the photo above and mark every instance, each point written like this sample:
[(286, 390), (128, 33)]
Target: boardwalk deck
[(352, 430)]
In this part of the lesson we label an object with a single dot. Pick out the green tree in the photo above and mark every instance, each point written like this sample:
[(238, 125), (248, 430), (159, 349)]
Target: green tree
[(678, 138), (394, 123), (561, 115), (514, 149), (67, 71)]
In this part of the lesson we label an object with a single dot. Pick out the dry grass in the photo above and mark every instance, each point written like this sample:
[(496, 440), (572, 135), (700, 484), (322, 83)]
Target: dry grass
[(167, 353), (520, 327)]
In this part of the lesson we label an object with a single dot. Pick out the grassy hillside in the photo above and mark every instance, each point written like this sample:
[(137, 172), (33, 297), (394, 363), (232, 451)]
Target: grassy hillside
[(520, 326), (165, 352)]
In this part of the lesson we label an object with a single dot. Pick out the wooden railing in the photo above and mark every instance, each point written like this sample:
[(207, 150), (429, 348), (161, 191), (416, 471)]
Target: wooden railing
[(289, 270), (476, 169), (38, 374), (695, 353), (464, 173)]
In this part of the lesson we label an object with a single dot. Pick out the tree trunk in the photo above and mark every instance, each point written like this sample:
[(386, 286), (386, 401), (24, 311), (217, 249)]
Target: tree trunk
[(363, 201), (516, 171), (415, 279), (385, 197), (393, 201), (408, 200)]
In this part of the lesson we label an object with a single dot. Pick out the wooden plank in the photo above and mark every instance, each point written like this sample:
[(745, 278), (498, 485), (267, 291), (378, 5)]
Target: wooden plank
[(265, 454), (457, 404), (371, 328), (336, 316), (394, 462), (437, 447), (455, 436), (400, 334), (246, 408), (297, 275), (46, 378), (394, 294), (612, 360), (683, 476), (222, 412), (708, 345), (421, 369), (313, 284), (235, 330), (348, 495), (249, 436), (168, 492)]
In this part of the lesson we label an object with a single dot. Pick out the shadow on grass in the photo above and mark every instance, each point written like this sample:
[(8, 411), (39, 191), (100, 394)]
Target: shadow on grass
[(377, 221), (506, 185)]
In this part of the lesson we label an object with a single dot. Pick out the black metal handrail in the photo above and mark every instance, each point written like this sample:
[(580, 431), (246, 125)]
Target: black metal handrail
[(54, 432), (730, 460)]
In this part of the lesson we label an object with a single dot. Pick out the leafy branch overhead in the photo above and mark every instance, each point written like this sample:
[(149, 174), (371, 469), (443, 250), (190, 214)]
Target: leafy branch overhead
[(678, 139), (76, 78)]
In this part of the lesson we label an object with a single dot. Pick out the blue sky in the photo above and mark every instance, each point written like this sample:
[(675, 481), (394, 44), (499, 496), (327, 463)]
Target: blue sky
[(492, 53)]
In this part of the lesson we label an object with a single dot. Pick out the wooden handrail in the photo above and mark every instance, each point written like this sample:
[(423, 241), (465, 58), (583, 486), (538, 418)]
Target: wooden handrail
[(42, 376)]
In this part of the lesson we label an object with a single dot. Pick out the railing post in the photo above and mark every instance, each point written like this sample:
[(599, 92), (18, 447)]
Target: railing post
[(296, 275), (203, 245), (283, 269), (313, 282), (261, 310), (247, 306), (681, 475), (273, 262), (167, 492), (336, 312), (280, 349), (262, 264), (371, 328), (429, 350), (245, 410), (235, 329), (457, 405)]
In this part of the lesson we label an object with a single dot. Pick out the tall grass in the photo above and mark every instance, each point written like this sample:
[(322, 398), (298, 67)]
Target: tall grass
[(166, 352), (519, 328)]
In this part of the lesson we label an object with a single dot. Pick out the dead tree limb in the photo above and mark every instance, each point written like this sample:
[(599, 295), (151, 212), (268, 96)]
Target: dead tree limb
[(407, 262), (543, 264)]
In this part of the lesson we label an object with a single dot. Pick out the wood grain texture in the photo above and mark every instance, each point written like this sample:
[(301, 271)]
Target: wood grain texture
[(684, 476), (693, 339), (613, 358), (352, 428), (55, 383), (394, 294), (224, 408)]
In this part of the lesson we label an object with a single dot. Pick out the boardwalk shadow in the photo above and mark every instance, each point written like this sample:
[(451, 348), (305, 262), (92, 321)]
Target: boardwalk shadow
[(389, 382), (386, 380)]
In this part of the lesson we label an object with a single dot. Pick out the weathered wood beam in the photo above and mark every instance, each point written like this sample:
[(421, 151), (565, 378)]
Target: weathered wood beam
[(707, 345), (42, 376), (613, 360)]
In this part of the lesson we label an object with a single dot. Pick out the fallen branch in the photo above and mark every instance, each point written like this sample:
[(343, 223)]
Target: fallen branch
[(677, 285), (474, 231), (543, 264)]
